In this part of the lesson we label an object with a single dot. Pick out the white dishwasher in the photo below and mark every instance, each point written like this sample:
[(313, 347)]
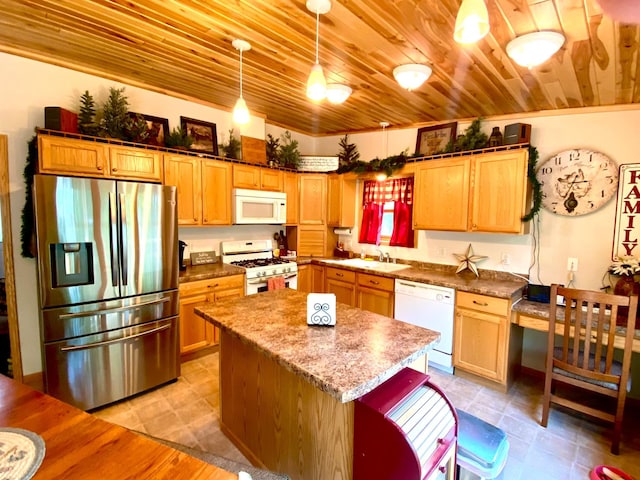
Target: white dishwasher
[(432, 307)]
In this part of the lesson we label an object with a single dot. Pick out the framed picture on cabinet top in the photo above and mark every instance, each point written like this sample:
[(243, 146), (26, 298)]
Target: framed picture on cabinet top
[(434, 139), (204, 134), (157, 129)]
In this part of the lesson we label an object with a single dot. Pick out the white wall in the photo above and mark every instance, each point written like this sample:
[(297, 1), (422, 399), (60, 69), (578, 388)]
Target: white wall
[(28, 86)]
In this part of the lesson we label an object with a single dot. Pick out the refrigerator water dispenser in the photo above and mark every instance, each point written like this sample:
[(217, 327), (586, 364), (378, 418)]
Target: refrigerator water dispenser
[(71, 264)]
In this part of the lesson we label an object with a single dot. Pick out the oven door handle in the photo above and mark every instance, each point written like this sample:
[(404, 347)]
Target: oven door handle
[(115, 340), (263, 279)]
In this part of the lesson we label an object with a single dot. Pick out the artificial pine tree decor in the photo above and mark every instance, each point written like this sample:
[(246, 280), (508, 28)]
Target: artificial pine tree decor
[(272, 146), (289, 153), (348, 153), (115, 114), (87, 124), (232, 148)]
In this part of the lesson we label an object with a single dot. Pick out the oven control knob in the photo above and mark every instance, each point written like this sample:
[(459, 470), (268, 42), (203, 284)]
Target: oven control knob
[(287, 270), (264, 274), (274, 272)]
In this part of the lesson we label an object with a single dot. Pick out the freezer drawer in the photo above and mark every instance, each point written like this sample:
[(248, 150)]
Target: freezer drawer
[(95, 370)]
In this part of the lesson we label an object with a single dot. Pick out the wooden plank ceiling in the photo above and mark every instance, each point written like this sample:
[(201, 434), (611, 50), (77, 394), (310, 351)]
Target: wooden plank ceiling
[(183, 48)]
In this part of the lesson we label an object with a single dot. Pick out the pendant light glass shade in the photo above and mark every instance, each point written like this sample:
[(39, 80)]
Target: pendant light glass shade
[(240, 110), (472, 22), (532, 49), (316, 84), (337, 93), (412, 75)]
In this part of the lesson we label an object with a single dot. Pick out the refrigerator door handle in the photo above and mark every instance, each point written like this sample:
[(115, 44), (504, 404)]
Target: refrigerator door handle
[(93, 313), (113, 234), (115, 340), (123, 222)]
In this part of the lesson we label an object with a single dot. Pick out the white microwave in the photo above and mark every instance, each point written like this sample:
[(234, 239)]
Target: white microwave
[(251, 207)]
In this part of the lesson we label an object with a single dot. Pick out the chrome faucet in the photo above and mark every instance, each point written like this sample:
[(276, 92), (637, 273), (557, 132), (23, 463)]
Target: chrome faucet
[(380, 255), (387, 257)]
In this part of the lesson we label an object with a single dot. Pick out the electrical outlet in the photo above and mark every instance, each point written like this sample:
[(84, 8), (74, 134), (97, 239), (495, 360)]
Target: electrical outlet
[(572, 264), (505, 259)]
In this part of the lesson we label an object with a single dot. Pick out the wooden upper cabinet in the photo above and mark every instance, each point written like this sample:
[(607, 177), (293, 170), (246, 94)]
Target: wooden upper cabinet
[(482, 193), (184, 172), (313, 199), (216, 193), (135, 164), (246, 176), (271, 180), (68, 156), (341, 201), (441, 200), (500, 192), (290, 187)]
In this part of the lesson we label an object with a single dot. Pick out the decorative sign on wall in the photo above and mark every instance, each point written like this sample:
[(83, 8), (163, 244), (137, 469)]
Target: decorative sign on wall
[(318, 164), (626, 233)]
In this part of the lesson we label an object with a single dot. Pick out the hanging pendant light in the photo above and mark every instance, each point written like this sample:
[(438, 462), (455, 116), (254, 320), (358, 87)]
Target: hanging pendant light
[(240, 110), (472, 22), (316, 84)]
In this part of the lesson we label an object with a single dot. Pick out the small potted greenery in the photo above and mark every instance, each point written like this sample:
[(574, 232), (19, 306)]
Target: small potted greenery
[(231, 149), (178, 138), (115, 114), (289, 153)]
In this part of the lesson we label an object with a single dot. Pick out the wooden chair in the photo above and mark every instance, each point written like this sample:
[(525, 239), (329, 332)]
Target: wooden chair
[(595, 340)]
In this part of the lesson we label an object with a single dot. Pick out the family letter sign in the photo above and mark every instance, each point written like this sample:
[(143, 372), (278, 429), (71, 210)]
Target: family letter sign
[(627, 228)]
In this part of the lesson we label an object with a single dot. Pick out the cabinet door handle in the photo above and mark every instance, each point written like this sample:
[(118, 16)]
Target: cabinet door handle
[(99, 167), (114, 169), (482, 304)]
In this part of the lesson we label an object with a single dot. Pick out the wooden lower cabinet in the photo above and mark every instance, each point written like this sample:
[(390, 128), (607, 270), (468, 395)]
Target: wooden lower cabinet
[(342, 283), (311, 278), (195, 332), (375, 294), (485, 342)]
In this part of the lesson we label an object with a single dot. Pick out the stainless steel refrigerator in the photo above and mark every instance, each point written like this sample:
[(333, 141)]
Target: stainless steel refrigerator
[(108, 277)]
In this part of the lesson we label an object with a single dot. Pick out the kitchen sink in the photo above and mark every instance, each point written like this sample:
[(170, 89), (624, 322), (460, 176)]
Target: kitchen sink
[(370, 264)]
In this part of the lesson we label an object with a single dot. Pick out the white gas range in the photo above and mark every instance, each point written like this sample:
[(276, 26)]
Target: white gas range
[(256, 257)]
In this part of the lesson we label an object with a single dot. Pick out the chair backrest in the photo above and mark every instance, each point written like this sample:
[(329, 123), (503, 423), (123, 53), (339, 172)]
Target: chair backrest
[(592, 314)]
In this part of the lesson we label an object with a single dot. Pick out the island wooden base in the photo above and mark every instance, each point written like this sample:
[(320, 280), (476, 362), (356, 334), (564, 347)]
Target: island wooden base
[(278, 420)]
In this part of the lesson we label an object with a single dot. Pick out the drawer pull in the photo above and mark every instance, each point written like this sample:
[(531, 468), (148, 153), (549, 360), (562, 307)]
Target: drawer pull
[(373, 282), (339, 275), (482, 304)]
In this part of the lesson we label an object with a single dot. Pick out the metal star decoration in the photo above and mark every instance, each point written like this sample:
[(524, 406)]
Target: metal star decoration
[(468, 260)]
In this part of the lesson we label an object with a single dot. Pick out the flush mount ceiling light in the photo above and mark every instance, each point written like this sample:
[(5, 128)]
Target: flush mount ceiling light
[(240, 111), (534, 48), (412, 75), (337, 93), (316, 83), (472, 22)]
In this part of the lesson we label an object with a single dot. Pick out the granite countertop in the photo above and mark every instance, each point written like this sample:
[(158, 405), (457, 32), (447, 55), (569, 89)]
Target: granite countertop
[(496, 284), (211, 270), (362, 351)]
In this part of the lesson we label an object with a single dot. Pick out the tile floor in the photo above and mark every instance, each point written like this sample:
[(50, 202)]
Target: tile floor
[(186, 412)]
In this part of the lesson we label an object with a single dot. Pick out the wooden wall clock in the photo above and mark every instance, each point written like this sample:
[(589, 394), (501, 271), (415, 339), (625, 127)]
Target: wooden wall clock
[(577, 182)]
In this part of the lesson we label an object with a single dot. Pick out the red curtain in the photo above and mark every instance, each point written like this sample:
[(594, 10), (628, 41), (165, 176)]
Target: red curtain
[(375, 195), (372, 208)]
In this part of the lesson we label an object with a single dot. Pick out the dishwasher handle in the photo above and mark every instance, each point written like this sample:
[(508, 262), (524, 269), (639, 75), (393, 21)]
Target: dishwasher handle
[(424, 290)]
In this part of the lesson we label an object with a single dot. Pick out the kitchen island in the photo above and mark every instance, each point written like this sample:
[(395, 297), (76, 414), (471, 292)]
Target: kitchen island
[(287, 389)]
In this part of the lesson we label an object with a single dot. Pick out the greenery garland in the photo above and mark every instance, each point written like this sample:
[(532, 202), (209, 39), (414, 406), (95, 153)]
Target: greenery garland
[(535, 183), (386, 165), (27, 232)]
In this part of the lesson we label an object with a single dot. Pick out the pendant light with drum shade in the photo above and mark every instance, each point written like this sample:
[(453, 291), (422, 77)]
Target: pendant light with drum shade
[(472, 22), (316, 83), (240, 110)]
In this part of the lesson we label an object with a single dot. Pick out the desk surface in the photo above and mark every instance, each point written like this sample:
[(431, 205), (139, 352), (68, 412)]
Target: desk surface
[(535, 316), (80, 446)]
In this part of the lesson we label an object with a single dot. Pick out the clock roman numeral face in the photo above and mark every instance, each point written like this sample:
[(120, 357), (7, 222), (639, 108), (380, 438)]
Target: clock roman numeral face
[(577, 182)]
